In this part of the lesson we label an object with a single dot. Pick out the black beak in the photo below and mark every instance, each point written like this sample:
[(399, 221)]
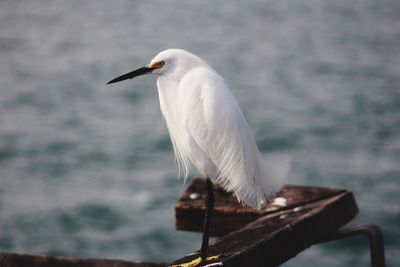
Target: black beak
[(132, 74)]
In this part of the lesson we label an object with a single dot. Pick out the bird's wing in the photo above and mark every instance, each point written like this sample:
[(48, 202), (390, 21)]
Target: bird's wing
[(216, 124)]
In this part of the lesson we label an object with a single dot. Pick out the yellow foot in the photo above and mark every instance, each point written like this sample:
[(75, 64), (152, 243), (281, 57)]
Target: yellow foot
[(195, 262)]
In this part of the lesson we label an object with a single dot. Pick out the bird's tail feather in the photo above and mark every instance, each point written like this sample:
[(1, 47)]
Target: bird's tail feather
[(271, 174), (252, 178)]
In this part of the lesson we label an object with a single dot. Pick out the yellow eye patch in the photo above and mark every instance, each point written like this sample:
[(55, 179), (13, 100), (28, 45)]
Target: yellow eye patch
[(157, 65)]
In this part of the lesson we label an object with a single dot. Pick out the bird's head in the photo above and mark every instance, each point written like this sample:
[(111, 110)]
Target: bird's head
[(175, 62)]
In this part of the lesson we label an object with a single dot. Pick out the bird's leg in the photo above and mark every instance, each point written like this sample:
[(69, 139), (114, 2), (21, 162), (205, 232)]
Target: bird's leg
[(204, 244), (207, 218)]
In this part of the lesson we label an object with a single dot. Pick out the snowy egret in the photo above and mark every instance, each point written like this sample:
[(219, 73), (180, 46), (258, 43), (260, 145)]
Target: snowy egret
[(208, 130)]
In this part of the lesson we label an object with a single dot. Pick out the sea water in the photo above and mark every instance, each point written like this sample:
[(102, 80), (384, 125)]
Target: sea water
[(87, 169)]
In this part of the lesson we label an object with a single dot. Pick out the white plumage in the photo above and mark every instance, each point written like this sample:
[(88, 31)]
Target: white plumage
[(207, 127)]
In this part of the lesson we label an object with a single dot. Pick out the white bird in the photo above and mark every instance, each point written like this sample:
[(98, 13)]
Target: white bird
[(208, 130)]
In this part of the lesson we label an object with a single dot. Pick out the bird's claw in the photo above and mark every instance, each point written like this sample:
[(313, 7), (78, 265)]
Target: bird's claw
[(195, 262)]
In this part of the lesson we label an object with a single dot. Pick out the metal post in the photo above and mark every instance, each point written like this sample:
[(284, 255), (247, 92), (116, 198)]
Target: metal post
[(375, 237)]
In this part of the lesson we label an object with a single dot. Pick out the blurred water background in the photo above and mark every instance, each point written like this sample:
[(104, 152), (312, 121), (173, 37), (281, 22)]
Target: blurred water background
[(88, 170)]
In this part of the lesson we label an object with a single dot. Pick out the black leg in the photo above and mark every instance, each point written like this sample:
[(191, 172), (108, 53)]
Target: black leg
[(207, 217)]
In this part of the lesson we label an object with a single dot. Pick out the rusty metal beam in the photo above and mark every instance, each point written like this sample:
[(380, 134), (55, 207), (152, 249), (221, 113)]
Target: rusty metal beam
[(375, 238)]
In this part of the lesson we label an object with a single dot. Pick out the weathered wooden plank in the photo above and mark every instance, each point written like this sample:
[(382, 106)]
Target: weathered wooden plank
[(229, 215), (23, 260), (278, 235)]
